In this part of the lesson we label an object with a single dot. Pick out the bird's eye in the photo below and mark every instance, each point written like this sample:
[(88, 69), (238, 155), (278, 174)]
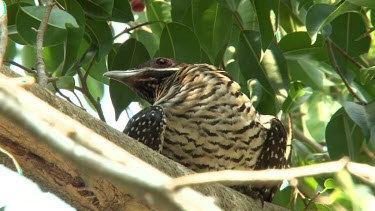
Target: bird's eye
[(162, 62)]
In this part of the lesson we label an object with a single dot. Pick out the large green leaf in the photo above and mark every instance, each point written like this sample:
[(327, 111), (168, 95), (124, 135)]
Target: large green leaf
[(179, 9), (248, 16), (30, 17), (130, 54), (362, 115), (271, 72), (307, 71), (101, 36), (212, 24), (74, 35), (268, 14), (297, 45), (121, 11), (158, 11), (148, 39), (12, 10), (363, 3), (98, 9), (343, 137), (319, 15), (179, 42), (346, 32), (53, 57)]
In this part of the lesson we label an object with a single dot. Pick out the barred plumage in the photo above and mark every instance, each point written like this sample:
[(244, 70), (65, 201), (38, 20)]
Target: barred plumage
[(204, 121)]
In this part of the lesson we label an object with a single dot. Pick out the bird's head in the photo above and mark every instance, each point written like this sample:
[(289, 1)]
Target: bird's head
[(147, 78)]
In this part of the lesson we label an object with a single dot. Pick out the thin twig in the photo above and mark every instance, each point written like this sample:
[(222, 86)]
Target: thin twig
[(338, 71), (236, 177), (344, 54), (40, 65), (79, 101), (298, 134), (85, 90), (20, 66), (127, 30)]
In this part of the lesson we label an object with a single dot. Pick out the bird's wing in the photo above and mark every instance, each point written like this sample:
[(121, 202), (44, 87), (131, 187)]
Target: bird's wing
[(273, 155), (148, 127)]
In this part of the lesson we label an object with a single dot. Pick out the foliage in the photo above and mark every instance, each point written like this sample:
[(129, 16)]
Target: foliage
[(313, 60)]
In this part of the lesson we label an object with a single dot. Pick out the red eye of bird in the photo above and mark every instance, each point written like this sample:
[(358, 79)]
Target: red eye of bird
[(162, 62)]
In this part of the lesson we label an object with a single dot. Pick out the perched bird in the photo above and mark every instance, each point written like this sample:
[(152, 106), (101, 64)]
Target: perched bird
[(199, 118)]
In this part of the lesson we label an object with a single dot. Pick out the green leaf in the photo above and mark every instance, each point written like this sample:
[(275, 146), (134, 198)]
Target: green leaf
[(12, 10), (319, 15), (65, 82), (268, 14), (121, 11), (212, 24), (346, 29), (343, 137), (98, 9), (363, 3), (261, 99), (58, 18), (29, 17), (179, 42), (130, 54), (248, 53), (180, 8), (330, 184), (74, 35), (53, 58), (367, 74), (362, 115), (158, 11), (97, 70), (297, 45), (248, 16), (101, 36), (307, 71), (231, 4), (148, 39), (298, 94)]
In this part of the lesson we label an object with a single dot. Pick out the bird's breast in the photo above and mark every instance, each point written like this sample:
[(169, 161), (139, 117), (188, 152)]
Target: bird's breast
[(212, 127)]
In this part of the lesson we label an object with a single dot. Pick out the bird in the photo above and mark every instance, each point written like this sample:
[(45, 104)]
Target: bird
[(199, 118)]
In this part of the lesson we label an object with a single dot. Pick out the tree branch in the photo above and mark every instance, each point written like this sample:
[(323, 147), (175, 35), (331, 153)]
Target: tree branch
[(40, 65), (236, 177)]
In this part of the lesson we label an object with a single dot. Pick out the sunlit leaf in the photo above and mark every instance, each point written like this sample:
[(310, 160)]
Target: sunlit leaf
[(268, 14)]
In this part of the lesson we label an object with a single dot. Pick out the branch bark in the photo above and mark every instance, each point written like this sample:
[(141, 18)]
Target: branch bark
[(77, 184)]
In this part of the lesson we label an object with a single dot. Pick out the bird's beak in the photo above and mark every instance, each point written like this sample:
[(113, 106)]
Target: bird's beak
[(122, 76)]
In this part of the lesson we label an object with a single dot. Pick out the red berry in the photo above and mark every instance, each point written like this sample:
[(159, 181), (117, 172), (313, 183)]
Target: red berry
[(138, 5)]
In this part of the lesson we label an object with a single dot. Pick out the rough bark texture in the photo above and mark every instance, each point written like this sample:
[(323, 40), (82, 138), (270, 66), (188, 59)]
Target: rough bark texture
[(86, 192)]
